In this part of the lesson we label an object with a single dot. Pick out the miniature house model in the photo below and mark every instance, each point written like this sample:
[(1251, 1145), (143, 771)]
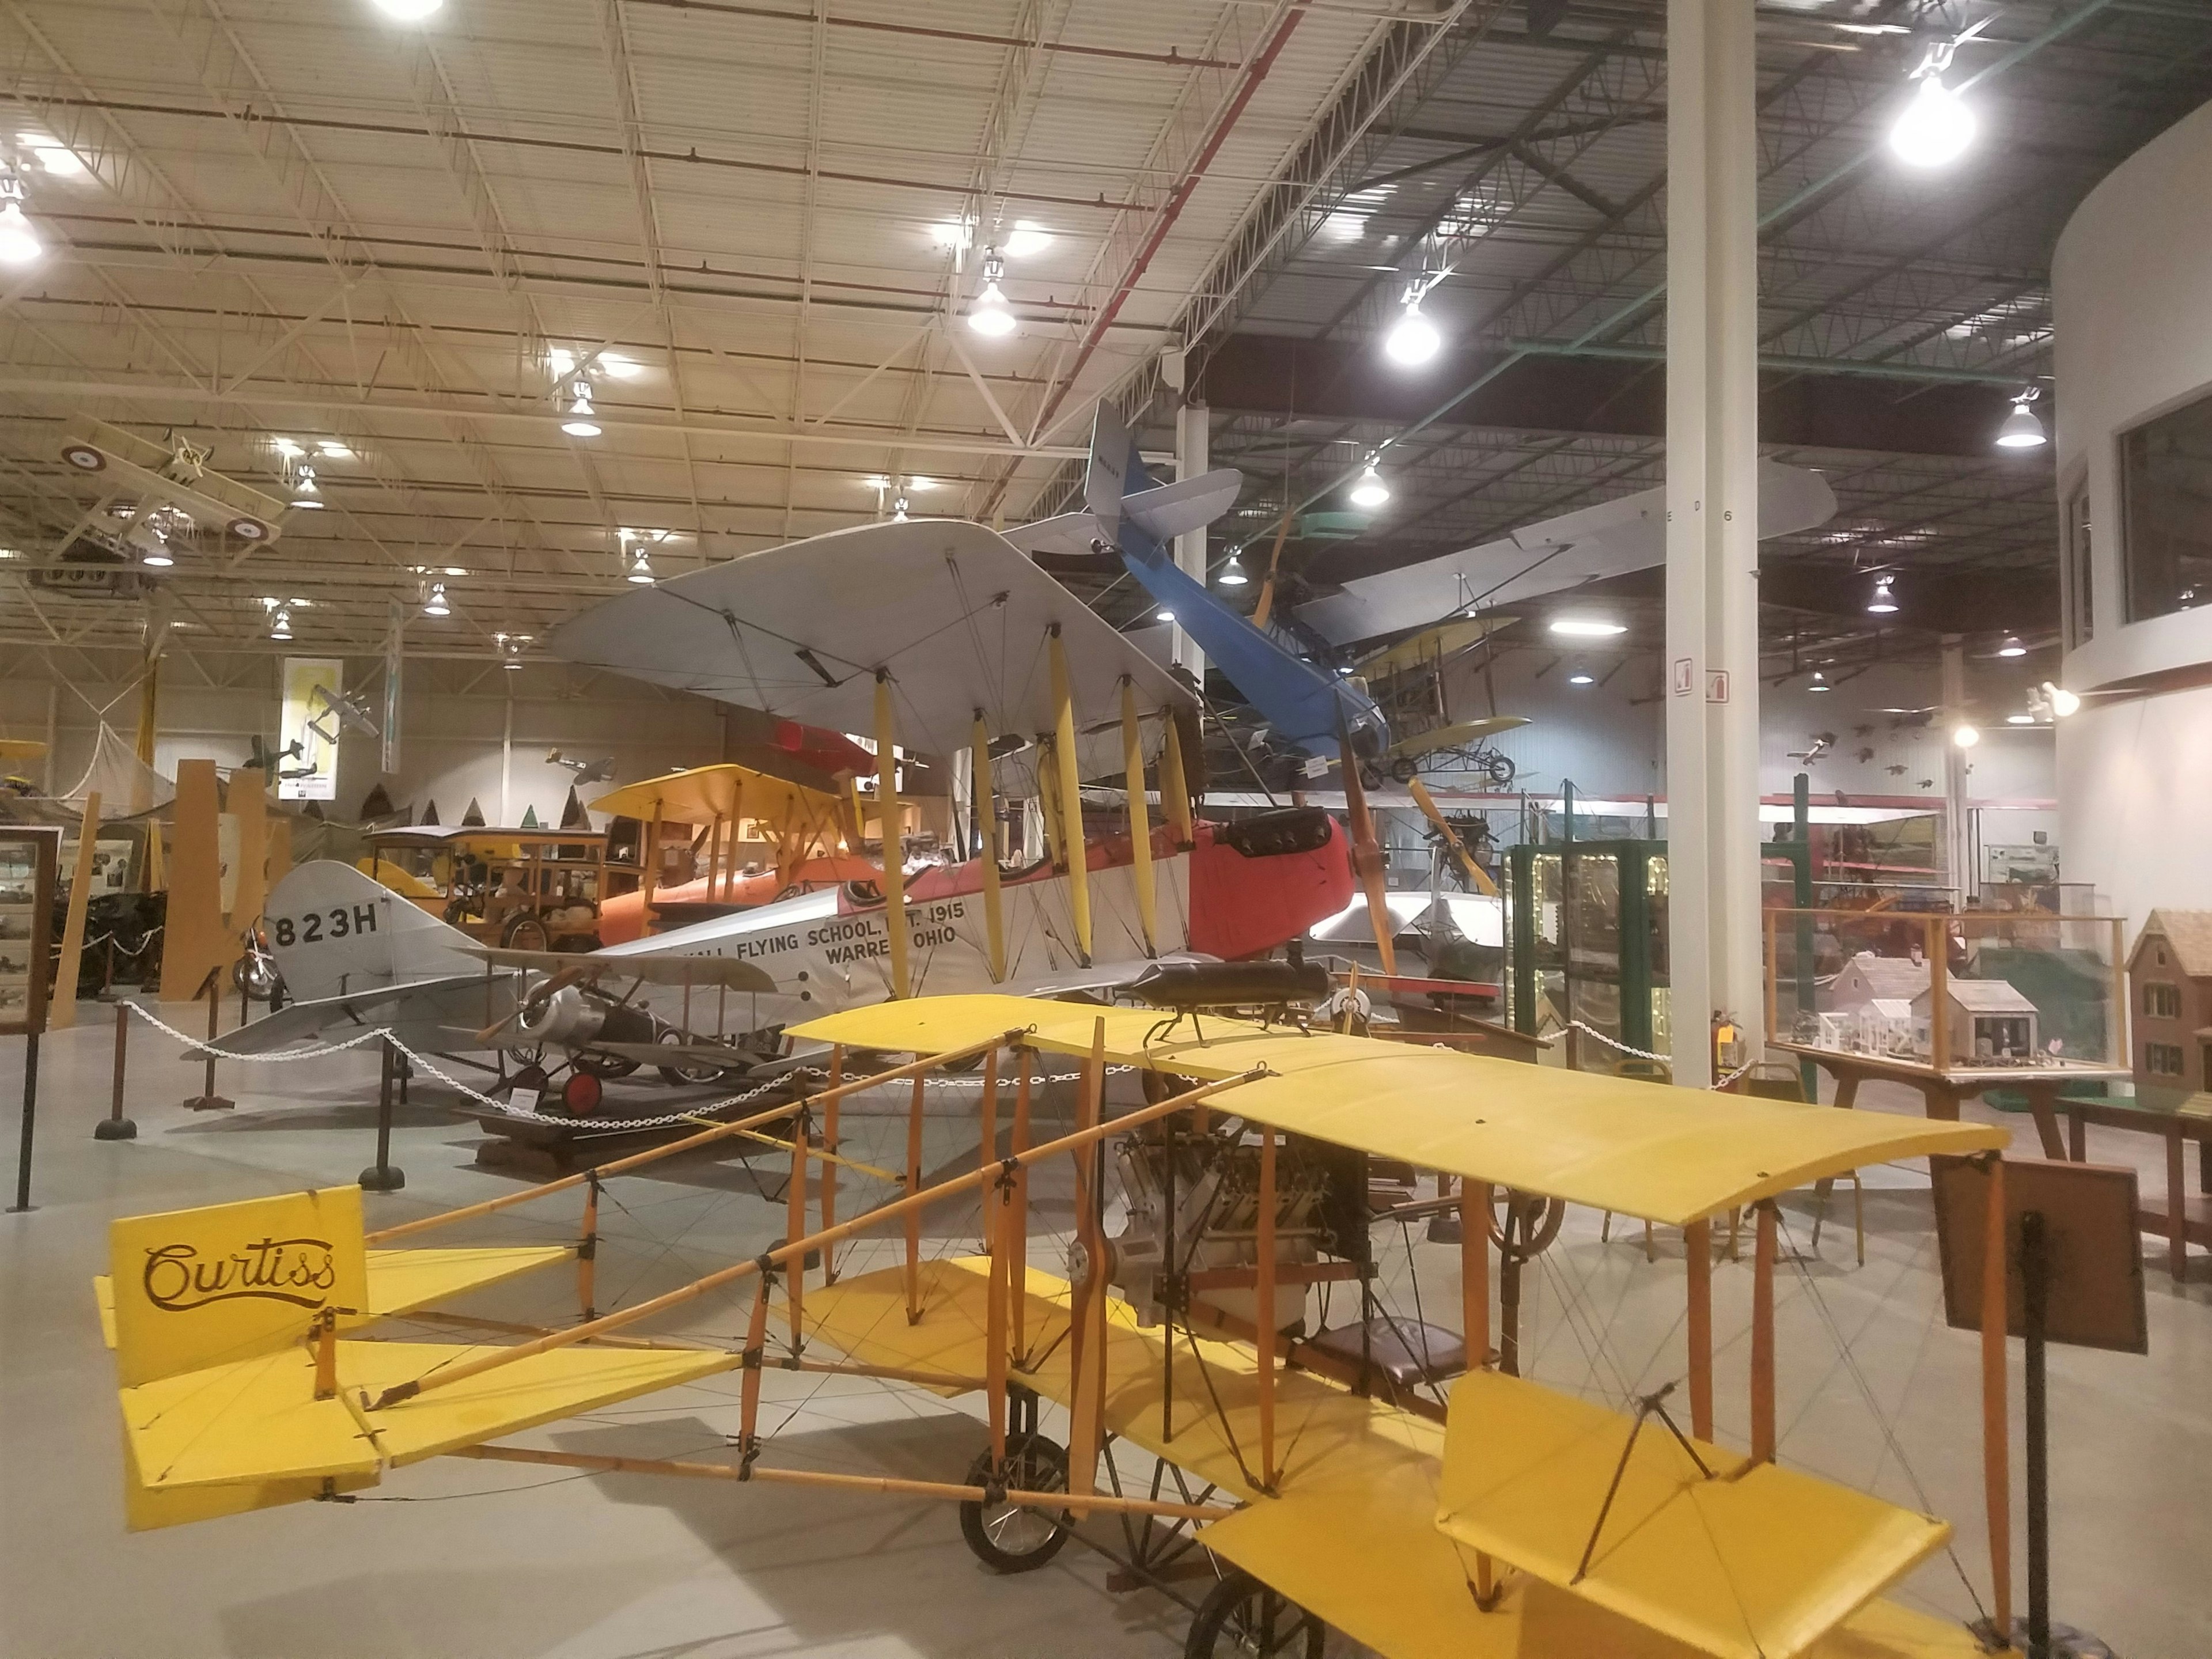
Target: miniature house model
[(1869, 1003), (2170, 998), (1987, 1022)]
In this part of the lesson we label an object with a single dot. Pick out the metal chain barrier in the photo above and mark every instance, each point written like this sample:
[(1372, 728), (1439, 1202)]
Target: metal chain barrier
[(1721, 1082)]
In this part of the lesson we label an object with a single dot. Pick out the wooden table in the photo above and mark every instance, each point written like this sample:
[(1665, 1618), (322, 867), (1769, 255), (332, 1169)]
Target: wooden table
[(1943, 1090), (2179, 1116)]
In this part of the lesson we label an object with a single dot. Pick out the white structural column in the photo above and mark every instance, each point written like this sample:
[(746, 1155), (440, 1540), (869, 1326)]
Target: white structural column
[(1958, 818), (1712, 530), (1191, 435)]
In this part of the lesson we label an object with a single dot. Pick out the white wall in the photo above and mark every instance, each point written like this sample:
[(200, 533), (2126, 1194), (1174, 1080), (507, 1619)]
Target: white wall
[(453, 735), (2132, 291), (1609, 739)]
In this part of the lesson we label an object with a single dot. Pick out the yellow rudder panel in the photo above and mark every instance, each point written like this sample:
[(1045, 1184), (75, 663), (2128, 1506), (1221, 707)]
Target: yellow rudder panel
[(195, 1288)]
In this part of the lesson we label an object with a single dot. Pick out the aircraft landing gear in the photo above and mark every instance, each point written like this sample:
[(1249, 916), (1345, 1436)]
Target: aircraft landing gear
[(1019, 1537), (1240, 1615)]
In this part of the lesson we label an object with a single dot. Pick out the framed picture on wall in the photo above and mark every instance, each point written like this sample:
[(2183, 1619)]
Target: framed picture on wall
[(29, 856)]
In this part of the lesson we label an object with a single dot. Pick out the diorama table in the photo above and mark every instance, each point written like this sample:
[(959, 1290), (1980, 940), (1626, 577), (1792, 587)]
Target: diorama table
[(2178, 1116), (1943, 1090)]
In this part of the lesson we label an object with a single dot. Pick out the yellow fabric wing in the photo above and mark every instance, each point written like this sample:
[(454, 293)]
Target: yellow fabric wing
[(1647, 1150), (1759, 1565)]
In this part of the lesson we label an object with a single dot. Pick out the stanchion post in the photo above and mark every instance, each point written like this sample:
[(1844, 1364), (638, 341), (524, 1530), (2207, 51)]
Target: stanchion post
[(380, 1177), (115, 1126), (207, 1100), (30, 1122)]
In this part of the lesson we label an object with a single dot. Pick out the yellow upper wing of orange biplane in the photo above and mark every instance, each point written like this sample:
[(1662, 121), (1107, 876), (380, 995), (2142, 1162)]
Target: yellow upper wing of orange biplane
[(1651, 1151)]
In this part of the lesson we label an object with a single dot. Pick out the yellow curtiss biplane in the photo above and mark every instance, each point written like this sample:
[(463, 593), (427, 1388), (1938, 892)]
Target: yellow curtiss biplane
[(1325, 1487)]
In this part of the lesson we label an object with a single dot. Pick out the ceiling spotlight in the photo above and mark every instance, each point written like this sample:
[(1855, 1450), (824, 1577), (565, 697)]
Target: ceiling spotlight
[(1586, 628), (437, 605), (455, 570), (1819, 683), (990, 314), (409, 11), (1935, 128), (917, 486), (286, 447), (1164, 615), (2021, 428), (333, 450), (2062, 702), (2012, 647), (1232, 574), (641, 572), (18, 243), (580, 423), (2019, 720), (1581, 676), (1414, 339), (1964, 735), (304, 493), (1027, 239), (281, 627), (1370, 490), (1884, 601)]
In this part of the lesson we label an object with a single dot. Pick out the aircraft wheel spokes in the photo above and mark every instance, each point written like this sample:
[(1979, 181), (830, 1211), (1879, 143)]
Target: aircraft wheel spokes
[(1241, 1615), (1019, 1537)]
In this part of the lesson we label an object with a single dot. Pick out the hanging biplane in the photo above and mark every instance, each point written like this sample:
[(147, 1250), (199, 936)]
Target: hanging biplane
[(1388, 1480), (939, 636)]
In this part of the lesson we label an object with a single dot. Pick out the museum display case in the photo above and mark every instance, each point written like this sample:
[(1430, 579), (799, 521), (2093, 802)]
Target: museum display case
[(1965, 991), (28, 879)]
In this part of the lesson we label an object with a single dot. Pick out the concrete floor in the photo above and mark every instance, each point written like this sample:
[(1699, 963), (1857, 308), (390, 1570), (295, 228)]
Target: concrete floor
[(454, 1557)]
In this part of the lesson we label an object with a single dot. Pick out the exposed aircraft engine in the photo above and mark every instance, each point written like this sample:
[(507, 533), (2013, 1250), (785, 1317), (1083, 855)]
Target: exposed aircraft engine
[(1215, 1182), (571, 1018)]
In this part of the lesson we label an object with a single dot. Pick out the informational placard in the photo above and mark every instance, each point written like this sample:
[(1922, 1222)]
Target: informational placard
[(311, 773)]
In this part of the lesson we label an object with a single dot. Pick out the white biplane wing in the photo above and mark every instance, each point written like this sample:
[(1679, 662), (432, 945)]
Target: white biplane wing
[(952, 613), (1609, 539)]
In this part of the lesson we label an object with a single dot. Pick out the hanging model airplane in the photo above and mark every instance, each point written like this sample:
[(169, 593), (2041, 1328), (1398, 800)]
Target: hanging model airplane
[(587, 771)]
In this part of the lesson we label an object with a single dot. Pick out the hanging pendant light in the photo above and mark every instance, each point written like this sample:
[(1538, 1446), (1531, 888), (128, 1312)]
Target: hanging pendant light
[(437, 605), (18, 243), (304, 492), (1370, 491), (640, 573), (281, 627), (581, 423), (1884, 601), (2022, 429), (990, 314), (1232, 574), (1819, 683)]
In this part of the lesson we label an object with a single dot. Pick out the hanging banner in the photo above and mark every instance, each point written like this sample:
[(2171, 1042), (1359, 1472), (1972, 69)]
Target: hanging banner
[(395, 654), (311, 771)]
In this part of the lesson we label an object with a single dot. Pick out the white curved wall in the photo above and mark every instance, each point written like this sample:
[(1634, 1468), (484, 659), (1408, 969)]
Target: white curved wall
[(2132, 296)]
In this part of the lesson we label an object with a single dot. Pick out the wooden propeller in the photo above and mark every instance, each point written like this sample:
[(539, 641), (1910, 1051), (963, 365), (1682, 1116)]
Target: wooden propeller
[(1265, 608), (1367, 852), (1475, 873)]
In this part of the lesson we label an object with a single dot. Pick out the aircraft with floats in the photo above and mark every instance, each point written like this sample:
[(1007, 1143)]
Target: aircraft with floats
[(1378, 1475)]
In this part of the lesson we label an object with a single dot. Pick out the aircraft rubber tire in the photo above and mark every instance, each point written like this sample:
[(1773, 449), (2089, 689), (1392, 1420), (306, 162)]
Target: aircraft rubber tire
[(604, 1067), (1039, 1465), (1241, 1615)]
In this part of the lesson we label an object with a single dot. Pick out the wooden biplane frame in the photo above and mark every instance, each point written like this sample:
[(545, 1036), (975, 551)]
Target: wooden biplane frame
[(1524, 1523)]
